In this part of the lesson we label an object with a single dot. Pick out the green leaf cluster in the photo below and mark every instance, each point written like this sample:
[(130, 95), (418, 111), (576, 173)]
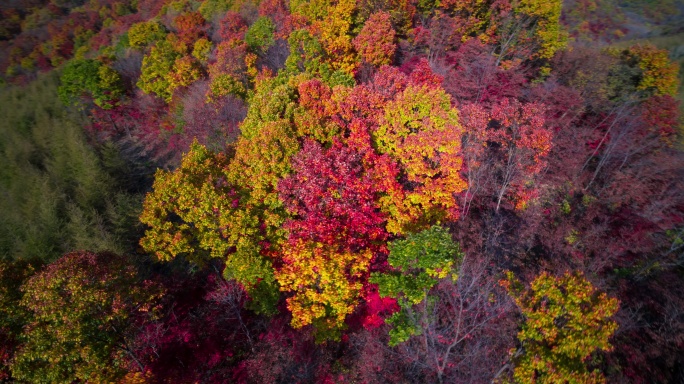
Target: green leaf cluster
[(92, 78), (311, 9), (156, 67), (259, 36), (420, 261), (13, 317), (212, 8), (308, 56)]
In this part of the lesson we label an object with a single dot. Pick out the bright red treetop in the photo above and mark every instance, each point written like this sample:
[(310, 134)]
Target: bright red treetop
[(334, 198)]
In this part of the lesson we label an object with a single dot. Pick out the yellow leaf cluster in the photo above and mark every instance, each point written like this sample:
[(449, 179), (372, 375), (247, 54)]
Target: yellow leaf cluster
[(659, 72), (335, 31), (549, 33), (325, 283)]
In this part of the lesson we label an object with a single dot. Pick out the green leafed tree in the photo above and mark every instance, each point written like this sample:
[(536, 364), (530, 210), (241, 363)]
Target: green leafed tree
[(228, 207), (158, 69), (91, 78), (259, 36), (58, 193), (13, 316), (212, 8), (419, 261)]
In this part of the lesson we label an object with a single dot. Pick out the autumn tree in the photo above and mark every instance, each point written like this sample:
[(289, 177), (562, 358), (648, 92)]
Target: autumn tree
[(214, 124), (336, 230), (661, 115), (506, 149), (335, 36), (375, 42), (327, 284), (201, 327), (232, 27), (81, 308), (314, 115), (420, 131), (13, 317), (228, 74), (261, 160), (350, 172), (325, 49), (230, 209), (212, 222), (566, 320), (544, 26), (185, 71), (190, 27), (652, 70), (143, 34), (333, 198), (418, 190)]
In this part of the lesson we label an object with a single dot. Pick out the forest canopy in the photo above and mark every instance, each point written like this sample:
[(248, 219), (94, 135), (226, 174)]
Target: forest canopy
[(333, 191)]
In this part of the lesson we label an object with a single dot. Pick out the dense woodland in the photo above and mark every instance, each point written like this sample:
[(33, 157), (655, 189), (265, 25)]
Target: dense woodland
[(341, 191)]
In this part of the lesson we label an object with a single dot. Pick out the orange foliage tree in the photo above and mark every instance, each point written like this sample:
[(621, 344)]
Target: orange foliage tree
[(375, 42)]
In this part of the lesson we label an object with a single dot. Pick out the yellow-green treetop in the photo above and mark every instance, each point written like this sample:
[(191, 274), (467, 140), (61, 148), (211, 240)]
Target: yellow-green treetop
[(548, 30), (659, 73), (566, 320), (196, 212), (198, 194), (142, 34), (82, 308)]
